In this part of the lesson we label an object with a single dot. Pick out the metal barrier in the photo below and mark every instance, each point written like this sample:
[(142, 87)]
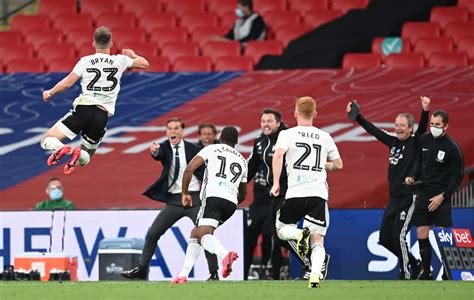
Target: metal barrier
[(464, 197)]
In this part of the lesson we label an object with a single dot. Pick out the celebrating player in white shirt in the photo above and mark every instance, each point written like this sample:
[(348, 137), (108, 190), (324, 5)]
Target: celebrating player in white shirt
[(101, 74), (310, 152), (224, 186)]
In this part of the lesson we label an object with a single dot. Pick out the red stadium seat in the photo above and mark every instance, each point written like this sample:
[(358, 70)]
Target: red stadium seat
[(415, 30), (29, 65), (9, 52), (98, 7), (193, 64), (147, 50), (222, 6), (38, 37), (469, 4), (116, 20), (264, 6), (201, 34), (10, 37), (24, 24), (448, 59), (361, 61), (316, 18), (152, 20), (174, 50), (306, 5), (457, 30), (215, 50), (234, 63), (54, 8), (257, 49), (445, 15), (194, 19), (87, 49), (277, 18), (62, 65), (346, 5), (228, 19), (78, 37), (162, 36), (157, 64), (128, 35), (141, 7), (466, 44), (66, 23), (286, 34), (429, 45), (52, 51), (405, 60), (180, 7), (377, 46)]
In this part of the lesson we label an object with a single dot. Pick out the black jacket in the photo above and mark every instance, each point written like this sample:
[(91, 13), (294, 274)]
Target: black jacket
[(158, 190)]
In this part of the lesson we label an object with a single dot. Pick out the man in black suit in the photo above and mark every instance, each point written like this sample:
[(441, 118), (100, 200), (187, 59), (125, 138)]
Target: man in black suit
[(174, 154)]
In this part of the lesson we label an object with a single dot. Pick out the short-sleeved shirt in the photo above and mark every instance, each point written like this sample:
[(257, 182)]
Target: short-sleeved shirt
[(226, 168), (307, 150), (101, 74)]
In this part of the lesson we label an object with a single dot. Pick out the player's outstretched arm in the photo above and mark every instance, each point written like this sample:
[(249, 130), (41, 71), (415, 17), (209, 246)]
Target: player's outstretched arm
[(139, 62), (61, 86), (195, 163)]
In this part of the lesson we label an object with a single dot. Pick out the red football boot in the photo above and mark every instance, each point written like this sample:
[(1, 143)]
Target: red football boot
[(56, 156), (72, 162)]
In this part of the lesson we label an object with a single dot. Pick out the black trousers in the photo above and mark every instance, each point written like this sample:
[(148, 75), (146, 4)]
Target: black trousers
[(396, 222), (165, 219)]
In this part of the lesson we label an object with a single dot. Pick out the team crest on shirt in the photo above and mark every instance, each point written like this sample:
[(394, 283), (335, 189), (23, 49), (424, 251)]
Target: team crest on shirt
[(403, 216), (440, 156)]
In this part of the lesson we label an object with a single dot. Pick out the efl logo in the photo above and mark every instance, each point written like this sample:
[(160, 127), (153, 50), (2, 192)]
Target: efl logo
[(463, 238)]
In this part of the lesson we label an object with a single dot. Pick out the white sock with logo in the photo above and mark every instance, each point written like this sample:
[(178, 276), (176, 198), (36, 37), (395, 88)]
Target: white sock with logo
[(317, 259), (192, 253), (85, 158), (288, 232), (212, 244), (51, 143)]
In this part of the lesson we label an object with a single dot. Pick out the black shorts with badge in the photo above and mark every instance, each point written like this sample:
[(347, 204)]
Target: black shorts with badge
[(215, 211), (313, 209), (89, 120), (440, 217)]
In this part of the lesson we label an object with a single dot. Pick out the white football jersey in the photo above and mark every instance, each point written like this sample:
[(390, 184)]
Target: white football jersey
[(226, 168), (307, 150), (100, 79)]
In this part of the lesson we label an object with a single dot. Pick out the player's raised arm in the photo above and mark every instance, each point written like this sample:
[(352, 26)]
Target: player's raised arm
[(61, 86), (139, 62)]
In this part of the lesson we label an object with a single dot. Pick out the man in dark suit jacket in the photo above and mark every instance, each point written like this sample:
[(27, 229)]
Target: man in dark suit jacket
[(174, 154)]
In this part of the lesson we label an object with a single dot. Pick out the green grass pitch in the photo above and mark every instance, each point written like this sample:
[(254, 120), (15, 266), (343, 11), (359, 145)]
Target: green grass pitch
[(246, 290)]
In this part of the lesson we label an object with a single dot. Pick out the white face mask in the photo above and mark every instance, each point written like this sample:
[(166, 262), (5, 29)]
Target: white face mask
[(436, 131), (239, 13)]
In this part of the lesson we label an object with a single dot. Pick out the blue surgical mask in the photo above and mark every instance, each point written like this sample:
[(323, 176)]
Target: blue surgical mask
[(56, 194), (239, 13)]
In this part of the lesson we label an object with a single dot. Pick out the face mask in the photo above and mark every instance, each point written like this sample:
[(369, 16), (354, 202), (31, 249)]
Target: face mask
[(239, 13), (436, 132), (55, 194)]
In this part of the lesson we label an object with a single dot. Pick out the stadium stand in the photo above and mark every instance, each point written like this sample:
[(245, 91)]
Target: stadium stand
[(361, 61), (316, 18), (308, 5), (54, 8), (29, 65), (152, 20), (234, 63), (174, 50), (163, 35), (25, 24), (141, 7), (192, 64), (97, 7), (194, 19), (62, 65), (429, 45), (180, 7), (445, 15), (346, 5), (256, 49), (448, 59), (415, 30), (68, 22), (216, 50), (201, 34), (405, 60)]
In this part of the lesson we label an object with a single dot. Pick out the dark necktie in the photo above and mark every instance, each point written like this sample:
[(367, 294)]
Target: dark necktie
[(176, 165)]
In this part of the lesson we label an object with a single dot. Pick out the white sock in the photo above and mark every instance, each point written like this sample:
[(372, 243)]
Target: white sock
[(51, 143), (212, 244), (289, 232), (192, 253), (317, 259), (85, 158)]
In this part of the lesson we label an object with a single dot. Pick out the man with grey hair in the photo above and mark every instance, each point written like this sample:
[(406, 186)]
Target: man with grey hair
[(100, 75), (397, 217)]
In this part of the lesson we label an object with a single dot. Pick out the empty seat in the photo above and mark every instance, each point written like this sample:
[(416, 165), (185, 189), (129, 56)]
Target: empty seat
[(97, 7), (457, 30), (389, 47), (215, 50), (234, 63), (428, 45), (66, 23), (405, 60), (316, 18), (180, 7), (469, 4), (286, 34), (152, 20), (128, 35), (445, 15), (61, 64), (86, 49), (346, 5), (361, 61), (277, 18), (30, 65), (78, 37), (144, 49), (415, 30), (162, 36), (256, 49), (174, 50), (10, 37), (54, 8), (448, 59), (39, 37), (264, 6), (116, 20), (193, 64), (141, 7), (306, 5), (228, 19), (194, 19), (52, 51), (466, 44), (157, 64), (24, 51), (25, 24), (201, 35), (222, 6)]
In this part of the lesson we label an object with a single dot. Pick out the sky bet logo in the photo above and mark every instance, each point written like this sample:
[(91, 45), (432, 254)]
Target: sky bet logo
[(445, 237)]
